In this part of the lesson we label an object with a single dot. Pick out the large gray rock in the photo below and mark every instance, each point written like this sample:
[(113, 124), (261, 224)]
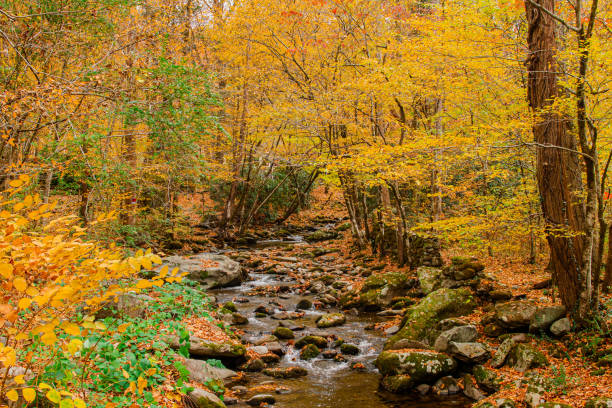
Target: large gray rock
[(561, 327), (208, 349), (421, 366), (421, 319), (331, 320), (516, 314), (459, 334), (205, 399), (472, 353), (523, 357), (129, 304), (544, 317), (210, 270), (429, 278), (502, 352), (201, 371)]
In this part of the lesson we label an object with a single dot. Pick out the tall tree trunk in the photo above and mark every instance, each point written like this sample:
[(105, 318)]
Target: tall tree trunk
[(558, 169)]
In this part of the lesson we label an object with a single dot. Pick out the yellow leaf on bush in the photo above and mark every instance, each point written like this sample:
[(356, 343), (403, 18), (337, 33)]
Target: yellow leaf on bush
[(70, 328), (4, 214), (53, 396), (66, 403), (20, 284), (49, 338), (29, 394), (12, 395), (6, 270), (20, 379), (24, 303), (74, 346), (79, 403), (15, 183)]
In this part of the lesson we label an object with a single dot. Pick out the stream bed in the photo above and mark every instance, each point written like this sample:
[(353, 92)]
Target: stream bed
[(329, 384)]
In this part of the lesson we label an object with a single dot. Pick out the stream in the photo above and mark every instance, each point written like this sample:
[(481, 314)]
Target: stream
[(329, 384)]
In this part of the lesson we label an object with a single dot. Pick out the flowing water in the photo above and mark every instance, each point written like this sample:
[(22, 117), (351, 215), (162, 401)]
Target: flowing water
[(329, 384)]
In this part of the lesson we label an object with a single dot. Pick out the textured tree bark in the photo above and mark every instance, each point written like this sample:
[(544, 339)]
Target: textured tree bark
[(558, 169), (607, 283)]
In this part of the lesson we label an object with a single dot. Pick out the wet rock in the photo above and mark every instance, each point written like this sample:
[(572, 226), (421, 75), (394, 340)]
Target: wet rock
[(284, 333), (201, 371), (502, 353), (544, 317), (329, 354), (392, 330), (470, 389), (239, 390), (523, 357), (270, 358), (423, 389), (255, 365), (309, 352), (421, 318), (471, 353), (561, 327), (210, 270), (331, 320), (265, 340), (286, 372), (422, 366), (599, 402), (264, 310), (398, 384), (260, 399), (276, 348), (349, 349), (205, 399), (486, 379), (321, 235), (303, 304), (409, 344), (238, 319), (230, 306), (318, 341), (515, 314), (459, 334), (446, 386)]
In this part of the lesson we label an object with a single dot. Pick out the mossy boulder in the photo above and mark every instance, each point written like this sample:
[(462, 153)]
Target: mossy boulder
[(321, 235), (285, 372), (318, 341), (309, 352), (378, 291), (486, 379), (523, 357), (429, 278), (284, 333), (398, 384), (554, 405), (331, 320), (349, 349), (516, 315), (421, 319), (421, 366)]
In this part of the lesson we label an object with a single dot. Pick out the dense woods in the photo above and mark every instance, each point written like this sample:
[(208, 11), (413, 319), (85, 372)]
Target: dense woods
[(450, 153)]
